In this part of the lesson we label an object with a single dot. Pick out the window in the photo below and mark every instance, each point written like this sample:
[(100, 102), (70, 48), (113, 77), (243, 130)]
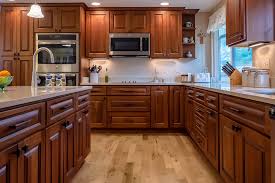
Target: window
[(238, 57)]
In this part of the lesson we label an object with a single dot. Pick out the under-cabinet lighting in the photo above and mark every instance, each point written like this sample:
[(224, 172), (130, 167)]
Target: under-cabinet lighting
[(164, 4), (257, 44), (96, 4)]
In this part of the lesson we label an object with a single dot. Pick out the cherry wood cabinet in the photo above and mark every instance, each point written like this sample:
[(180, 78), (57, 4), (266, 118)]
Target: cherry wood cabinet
[(176, 106), (59, 19), (166, 34), (98, 115), (97, 34), (245, 154), (159, 106), (189, 110), (8, 164), (249, 21), (16, 44), (129, 21)]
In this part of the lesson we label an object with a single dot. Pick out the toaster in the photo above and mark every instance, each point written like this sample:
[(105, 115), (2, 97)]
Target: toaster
[(202, 78)]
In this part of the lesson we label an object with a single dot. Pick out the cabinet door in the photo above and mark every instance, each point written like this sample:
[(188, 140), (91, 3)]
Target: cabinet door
[(231, 148), (174, 34), (97, 34), (8, 32), (257, 157), (189, 108), (235, 21), (24, 38), (68, 147), (8, 165), (87, 137), (54, 156), (139, 21), (159, 107), (10, 64), (69, 19), (32, 161), (119, 21), (24, 70), (158, 34), (98, 114), (212, 150), (176, 107), (49, 23), (80, 133)]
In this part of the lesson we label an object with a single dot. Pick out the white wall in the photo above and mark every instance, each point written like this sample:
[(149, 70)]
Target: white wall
[(143, 68)]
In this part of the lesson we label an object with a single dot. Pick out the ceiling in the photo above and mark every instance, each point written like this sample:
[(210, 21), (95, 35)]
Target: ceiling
[(203, 5)]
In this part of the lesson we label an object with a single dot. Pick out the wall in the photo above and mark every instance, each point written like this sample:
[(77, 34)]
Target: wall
[(142, 69), (264, 57)]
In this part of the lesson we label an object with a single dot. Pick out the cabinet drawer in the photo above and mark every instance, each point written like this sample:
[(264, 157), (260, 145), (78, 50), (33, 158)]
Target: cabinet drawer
[(250, 113), (21, 122), (200, 111), (200, 125), (190, 92), (83, 99), (128, 90), (60, 108), (200, 96), (201, 141), (212, 100), (129, 119), (99, 90), (128, 103)]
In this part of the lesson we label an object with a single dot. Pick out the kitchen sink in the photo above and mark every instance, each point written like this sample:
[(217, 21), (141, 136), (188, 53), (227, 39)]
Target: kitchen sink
[(262, 91)]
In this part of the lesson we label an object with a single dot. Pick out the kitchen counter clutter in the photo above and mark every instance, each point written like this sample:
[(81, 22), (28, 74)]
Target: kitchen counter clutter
[(17, 95), (265, 95), (44, 131)]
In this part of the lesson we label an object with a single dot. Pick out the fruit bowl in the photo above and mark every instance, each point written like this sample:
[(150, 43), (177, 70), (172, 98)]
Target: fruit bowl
[(5, 81)]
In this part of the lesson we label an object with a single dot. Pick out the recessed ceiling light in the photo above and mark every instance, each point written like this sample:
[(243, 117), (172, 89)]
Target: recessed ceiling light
[(95, 4), (164, 4), (11, 0)]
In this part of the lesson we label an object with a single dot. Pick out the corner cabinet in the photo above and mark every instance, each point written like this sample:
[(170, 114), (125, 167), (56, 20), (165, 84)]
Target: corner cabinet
[(159, 106), (59, 19), (249, 21), (97, 34), (166, 34), (245, 155)]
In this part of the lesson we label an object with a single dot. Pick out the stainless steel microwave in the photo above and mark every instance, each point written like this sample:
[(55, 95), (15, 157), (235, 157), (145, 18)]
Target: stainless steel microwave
[(129, 44)]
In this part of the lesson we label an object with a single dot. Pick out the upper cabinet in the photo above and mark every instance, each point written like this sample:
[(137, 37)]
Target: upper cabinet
[(129, 21), (97, 34), (166, 34), (59, 19), (249, 21)]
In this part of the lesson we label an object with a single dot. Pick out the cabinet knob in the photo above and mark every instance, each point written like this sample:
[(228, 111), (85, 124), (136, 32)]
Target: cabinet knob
[(25, 148)]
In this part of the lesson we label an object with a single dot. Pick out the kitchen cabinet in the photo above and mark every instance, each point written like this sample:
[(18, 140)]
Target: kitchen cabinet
[(8, 164), (159, 106), (59, 19), (249, 21), (166, 34), (98, 116), (176, 106), (189, 110), (129, 21), (16, 44), (97, 34), (245, 154), (32, 158)]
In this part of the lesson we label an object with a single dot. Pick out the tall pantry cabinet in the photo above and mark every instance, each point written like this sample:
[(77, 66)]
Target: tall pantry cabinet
[(16, 43)]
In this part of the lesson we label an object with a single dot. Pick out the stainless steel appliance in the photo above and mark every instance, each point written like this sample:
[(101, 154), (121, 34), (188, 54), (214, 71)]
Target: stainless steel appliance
[(65, 48), (262, 78), (58, 79), (129, 44), (186, 78)]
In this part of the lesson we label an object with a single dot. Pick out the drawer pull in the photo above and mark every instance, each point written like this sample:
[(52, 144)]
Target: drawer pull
[(65, 107), (85, 112), (210, 113), (66, 124), (235, 110), (83, 100), (210, 100), (199, 95), (25, 148), (16, 126), (190, 92), (236, 128)]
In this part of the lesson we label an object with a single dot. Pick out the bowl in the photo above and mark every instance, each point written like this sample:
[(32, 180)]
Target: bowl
[(5, 81)]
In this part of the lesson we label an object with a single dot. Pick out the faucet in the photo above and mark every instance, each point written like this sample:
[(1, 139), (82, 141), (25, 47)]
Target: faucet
[(35, 67)]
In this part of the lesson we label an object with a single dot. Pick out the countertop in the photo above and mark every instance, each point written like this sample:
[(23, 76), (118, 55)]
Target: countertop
[(17, 95), (222, 88)]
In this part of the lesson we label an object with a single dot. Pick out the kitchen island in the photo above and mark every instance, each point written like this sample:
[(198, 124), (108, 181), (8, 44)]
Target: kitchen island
[(45, 134)]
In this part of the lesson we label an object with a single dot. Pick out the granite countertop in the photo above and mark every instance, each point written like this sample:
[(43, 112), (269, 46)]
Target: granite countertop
[(17, 95), (222, 88)]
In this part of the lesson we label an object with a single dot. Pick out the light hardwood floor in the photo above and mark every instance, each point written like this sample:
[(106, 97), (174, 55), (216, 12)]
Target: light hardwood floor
[(144, 158)]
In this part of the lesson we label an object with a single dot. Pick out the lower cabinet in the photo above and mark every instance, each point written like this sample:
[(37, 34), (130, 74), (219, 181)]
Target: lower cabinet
[(189, 119), (159, 106), (98, 115), (245, 154), (176, 106), (8, 164)]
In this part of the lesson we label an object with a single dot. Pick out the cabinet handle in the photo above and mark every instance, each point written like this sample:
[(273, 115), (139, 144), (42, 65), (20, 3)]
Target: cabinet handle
[(236, 128), (65, 107), (210, 100), (16, 126), (210, 113), (85, 112), (25, 148), (65, 124), (83, 100), (235, 110)]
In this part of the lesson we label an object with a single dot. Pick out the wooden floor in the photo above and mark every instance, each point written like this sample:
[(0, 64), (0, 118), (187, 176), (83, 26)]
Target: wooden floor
[(144, 158)]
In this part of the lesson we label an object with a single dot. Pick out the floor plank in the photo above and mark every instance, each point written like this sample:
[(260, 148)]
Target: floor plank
[(144, 158)]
